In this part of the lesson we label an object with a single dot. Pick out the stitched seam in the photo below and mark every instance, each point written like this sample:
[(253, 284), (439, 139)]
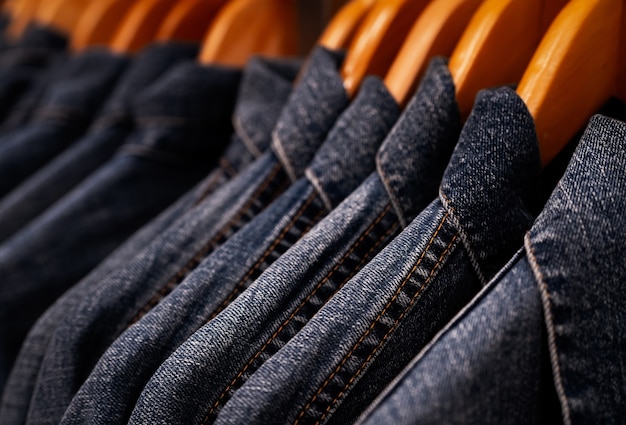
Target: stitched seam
[(466, 241), (213, 183), (183, 272), (228, 166), (392, 328), (546, 301), (392, 195), (266, 254), (301, 306), (373, 324)]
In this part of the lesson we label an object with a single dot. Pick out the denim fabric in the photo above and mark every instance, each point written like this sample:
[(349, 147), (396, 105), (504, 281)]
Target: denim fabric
[(283, 299), (342, 162), (106, 135), (25, 63), (63, 115), (183, 124), (561, 299), (264, 89), (91, 327), (373, 326)]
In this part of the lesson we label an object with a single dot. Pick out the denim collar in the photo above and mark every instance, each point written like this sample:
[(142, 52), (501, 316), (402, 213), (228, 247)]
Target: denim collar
[(486, 185), (188, 109), (37, 36), (86, 79), (348, 155), (190, 92), (576, 249), (310, 112), (414, 156), (145, 68), (264, 89)]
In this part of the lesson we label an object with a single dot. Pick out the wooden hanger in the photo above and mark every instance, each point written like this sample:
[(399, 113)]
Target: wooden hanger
[(378, 40), (99, 22), (435, 33), (344, 25), (141, 24), (498, 44), (62, 15), (22, 13), (247, 27), (578, 66), (189, 20)]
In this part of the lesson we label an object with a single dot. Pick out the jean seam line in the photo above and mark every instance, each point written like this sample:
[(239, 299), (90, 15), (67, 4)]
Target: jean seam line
[(376, 320), (300, 307)]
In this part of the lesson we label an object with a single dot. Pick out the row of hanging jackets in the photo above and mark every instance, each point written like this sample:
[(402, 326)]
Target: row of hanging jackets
[(184, 243)]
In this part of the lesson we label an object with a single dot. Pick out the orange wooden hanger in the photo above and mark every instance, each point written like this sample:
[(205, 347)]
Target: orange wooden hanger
[(141, 25), (378, 40), (62, 15), (247, 27), (189, 20), (498, 44), (436, 32), (99, 22), (22, 13), (342, 28), (578, 66)]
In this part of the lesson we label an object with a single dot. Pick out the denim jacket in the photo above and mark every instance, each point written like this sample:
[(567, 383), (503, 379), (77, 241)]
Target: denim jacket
[(63, 115), (541, 343), (264, 88), (342, 162), (131, 291), (106, 135), (373, 326), (181, 132), (281, 301)]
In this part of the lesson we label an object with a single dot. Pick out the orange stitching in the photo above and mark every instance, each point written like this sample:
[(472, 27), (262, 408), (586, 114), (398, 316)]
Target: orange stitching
[(266, 254), (391, 329), (228, 166), (302, 304), (389, 304), (189, 266)]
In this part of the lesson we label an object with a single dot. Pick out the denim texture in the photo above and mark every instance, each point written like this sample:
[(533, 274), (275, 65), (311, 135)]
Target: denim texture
[(373, 326), (91, 327), (560, 299), (63, 115), (340, 165), (264, 89), (106, 135), (234, 344), (183, 124), (25, 64)]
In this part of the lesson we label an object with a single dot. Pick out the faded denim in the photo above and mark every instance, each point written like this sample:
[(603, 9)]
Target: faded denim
[(276, 306), (263, 91), (87, 332), (25, 64), (373, 326), (540, 344), (106, 135), (64, 113), (340, 165), (182, 129)]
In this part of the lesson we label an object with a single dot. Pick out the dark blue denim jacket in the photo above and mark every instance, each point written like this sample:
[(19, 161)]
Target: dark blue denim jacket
[(106, 135), (345, 159), (264, 88), (24, 65), (541, 344), (62, 116), (373, 326), (130, 291), (280, 302), (183, 124)]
